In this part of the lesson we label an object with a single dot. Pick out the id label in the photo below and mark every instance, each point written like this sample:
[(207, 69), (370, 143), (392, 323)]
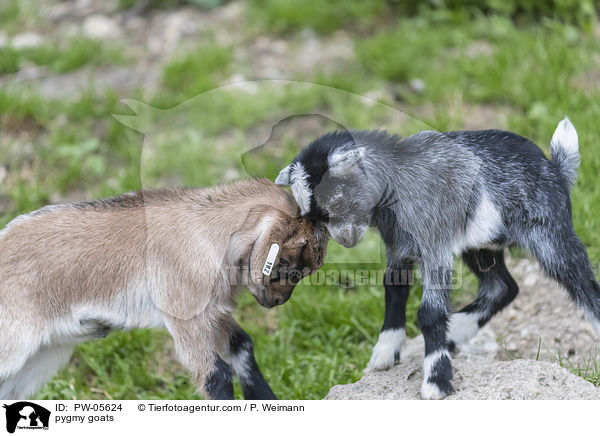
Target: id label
[(268, 267)]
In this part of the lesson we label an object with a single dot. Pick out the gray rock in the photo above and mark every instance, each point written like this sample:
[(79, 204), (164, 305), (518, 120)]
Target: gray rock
[(483, 347), (538, 327), (26, 40), (476, 377), (542, 323), (417, 85), (98, 26)]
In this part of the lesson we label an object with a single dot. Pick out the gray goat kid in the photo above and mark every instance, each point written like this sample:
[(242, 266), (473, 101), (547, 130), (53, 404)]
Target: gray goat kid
[(434, 195)]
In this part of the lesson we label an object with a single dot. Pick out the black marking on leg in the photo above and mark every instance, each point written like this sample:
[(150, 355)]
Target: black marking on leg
[(441, 375), (451, 346), (219, 385), (433, 322), (254, 385), (490, 269), (397, 282), (259, 389)]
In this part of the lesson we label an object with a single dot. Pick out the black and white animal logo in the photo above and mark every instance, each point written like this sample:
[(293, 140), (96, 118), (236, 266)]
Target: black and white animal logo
[(26, 415), (434, 195)]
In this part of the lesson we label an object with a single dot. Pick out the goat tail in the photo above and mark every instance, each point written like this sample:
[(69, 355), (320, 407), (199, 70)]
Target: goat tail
[(564, 151)]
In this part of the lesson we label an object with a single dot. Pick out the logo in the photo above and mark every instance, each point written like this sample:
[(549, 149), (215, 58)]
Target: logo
[(26, 415)]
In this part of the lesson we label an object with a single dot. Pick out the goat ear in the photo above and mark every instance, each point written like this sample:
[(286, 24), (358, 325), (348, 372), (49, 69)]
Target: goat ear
[(344, 162), (251, 244), (274, 231), (285, 177), (299, 241), (317, 248)]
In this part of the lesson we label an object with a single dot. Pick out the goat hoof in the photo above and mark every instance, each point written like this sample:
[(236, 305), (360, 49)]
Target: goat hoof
[(386, 353), (436, 391)]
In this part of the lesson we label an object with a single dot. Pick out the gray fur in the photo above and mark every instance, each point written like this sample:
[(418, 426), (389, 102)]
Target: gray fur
[(433, 195)]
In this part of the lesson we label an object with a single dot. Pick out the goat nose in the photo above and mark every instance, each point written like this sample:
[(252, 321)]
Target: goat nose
[(347, 237), (278, 301), (343, 237)]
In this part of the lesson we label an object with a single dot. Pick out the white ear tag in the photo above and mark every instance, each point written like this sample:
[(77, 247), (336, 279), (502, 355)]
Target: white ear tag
[(268, 267)]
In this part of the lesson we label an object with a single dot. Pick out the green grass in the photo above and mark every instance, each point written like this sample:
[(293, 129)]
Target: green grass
[(535, 74), (120, 369), (70, 56), (65, 157), (10, 11), (9, 60), (197, 70), (589, 369), (18, 14), (283, 16)]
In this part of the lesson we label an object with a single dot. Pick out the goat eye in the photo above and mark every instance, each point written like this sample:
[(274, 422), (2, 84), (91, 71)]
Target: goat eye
[(283, 262), (337, 204)]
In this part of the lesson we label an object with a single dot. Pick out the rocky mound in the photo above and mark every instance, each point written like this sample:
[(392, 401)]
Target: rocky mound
[(515, 357), (476, 377)]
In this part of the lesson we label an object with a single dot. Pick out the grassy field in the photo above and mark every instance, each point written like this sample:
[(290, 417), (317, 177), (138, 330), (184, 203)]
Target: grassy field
[(445, 69)]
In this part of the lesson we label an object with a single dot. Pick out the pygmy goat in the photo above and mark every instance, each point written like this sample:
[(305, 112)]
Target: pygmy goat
[(170, 257), (433, 195)]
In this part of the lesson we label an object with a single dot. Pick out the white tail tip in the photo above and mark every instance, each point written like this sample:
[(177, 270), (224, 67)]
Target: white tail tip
[(565, 137)]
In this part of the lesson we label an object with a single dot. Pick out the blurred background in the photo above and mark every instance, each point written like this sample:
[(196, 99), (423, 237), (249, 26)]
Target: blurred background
[(100, 97)]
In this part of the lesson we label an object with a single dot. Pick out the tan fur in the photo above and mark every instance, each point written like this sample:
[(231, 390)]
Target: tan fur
[(172, 257)]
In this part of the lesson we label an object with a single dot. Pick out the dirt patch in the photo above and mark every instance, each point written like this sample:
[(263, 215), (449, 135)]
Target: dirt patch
[(542, 322)]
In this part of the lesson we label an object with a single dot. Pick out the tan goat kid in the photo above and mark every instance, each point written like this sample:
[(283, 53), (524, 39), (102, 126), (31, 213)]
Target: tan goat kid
[(171, 257)]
